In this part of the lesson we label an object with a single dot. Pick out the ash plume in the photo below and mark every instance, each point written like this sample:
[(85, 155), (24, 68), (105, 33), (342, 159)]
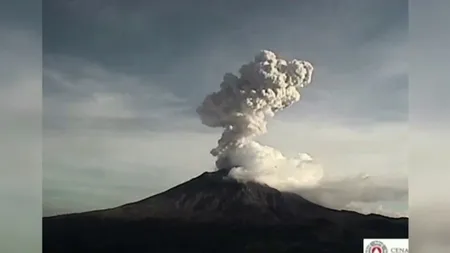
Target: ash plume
[(242, 108), (243, 104)]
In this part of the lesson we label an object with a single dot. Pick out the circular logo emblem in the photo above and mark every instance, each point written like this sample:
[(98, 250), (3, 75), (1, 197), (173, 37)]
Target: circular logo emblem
[(376, 247)]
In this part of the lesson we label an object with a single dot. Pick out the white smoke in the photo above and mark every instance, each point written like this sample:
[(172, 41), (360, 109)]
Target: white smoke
[(243, 106), (267, 165)]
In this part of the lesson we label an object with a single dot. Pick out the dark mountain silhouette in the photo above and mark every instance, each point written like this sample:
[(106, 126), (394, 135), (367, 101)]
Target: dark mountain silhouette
[(215, 213)]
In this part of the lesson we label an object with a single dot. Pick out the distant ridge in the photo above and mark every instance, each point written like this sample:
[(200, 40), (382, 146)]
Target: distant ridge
[(215, 213)]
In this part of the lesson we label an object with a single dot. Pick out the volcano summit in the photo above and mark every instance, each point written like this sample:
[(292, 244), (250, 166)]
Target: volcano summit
[(248, 204), (216, 213)]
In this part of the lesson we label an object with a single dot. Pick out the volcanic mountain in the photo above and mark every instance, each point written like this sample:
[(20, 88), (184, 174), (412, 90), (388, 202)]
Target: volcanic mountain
[(215, 213)]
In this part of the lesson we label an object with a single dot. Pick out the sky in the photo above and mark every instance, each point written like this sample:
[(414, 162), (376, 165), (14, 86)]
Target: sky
[(20, 126), (122, 80), (428, 164)]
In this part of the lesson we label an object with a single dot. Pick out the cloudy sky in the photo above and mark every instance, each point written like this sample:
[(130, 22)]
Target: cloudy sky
[(20, 126), (429, 126), (122, 80), (121, 83)]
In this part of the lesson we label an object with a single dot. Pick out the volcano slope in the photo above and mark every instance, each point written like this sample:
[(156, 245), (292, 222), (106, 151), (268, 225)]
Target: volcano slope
[(215, 213)]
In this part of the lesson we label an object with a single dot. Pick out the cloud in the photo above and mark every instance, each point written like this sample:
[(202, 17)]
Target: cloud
[(243, 116), (142, 142), (20, 106), (429, 126), (78, 91), (350, 42), (363, 168), (20, 142), (357, 103), (428, 176), (110, 133)]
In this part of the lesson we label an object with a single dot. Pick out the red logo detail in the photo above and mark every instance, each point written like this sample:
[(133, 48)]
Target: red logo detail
[(376, 249)]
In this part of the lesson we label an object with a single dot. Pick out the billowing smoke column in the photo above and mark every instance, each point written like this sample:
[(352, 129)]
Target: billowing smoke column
[(244, 103), (242, 107)]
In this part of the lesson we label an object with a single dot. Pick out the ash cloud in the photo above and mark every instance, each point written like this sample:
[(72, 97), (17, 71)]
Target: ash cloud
[(242, 108)]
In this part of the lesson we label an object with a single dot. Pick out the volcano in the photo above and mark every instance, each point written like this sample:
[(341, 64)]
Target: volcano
[(215, 213)]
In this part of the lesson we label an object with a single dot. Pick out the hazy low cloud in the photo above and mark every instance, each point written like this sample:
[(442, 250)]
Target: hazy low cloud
[(20, 142), (112, 134), (20, 109), (429, 126), (428, 176)]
